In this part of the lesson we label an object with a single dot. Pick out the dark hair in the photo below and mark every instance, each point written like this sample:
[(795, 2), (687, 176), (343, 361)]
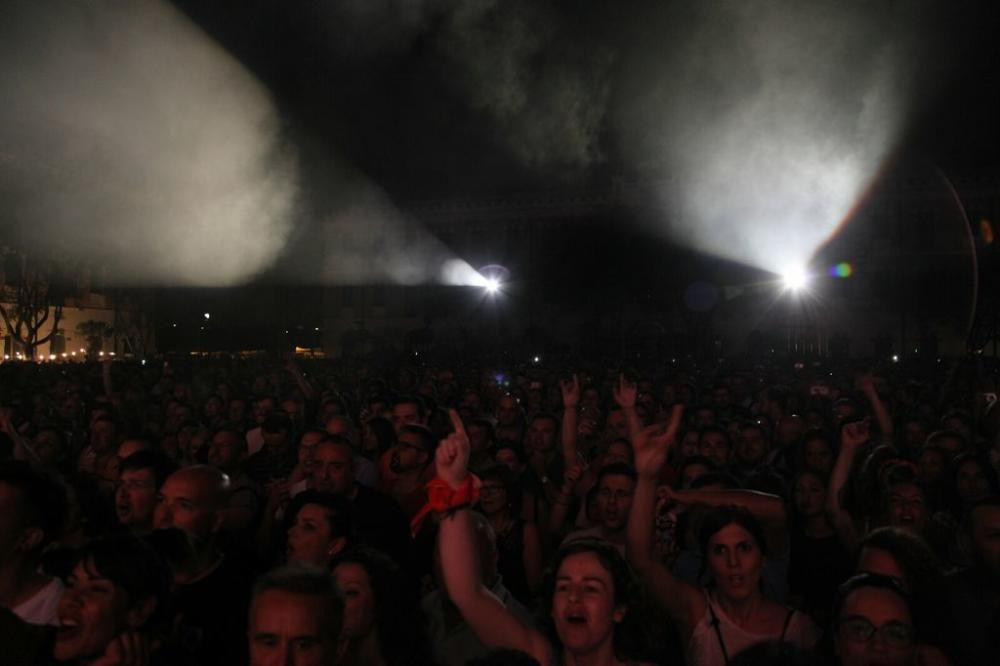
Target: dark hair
[(718, 517), (617, 469), (921, 575), (632, 638), (157, 462), (385, 434), (713, 427), (556, 422), (725, 479), (306, 581), (132, 565), (776, 653), (951, 480), (513, 446), (41, 499), (427, 439), (695, 460), (867, 580), (339, 510), (401, 633), (412, 400)]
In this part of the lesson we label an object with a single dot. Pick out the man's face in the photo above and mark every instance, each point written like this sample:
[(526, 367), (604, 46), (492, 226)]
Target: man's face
[(479, 437), (187, 502), (614, 496), (507, 410), (403, 414), (288, 629), (986, 538), (617, 425), (714, 446), (332, 470), (408, 454), (262, 409), (135, 499), (541, 436), (751, 447), (225, 451)]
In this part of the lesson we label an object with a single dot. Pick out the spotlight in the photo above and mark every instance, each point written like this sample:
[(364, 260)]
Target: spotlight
[(492, 286), (208, 315), (795, 279)]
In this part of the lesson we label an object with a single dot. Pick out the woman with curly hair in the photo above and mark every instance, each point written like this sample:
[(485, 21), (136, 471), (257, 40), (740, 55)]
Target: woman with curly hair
[(383, 625)]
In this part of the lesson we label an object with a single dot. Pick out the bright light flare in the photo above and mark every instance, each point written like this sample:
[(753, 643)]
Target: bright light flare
[(795, 279), (492, 286)]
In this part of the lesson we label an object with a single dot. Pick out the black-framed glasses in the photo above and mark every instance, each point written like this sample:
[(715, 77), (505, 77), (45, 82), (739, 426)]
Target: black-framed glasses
[(861, 630)]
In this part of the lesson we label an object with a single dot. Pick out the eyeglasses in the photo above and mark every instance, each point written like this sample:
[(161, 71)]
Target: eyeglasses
[(859, 629)]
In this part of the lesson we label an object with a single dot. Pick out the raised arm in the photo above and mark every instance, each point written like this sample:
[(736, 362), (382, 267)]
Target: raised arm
[(684, 602), (768, 509), (625, 394), (852, 437), (866, 383), (570, 399), (492, 622)]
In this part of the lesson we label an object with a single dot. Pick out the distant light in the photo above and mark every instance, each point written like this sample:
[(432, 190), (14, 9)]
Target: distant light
[(82, 350), (492, 285), (208, 315), (52, 357), (144, 361), (64, 354), (100, 353), (895, 358), (71, 354), (316, 329), (174, 325), (795, 279), (843, 270), (6, 357), (112, 353), (986, 229), (537, 359)]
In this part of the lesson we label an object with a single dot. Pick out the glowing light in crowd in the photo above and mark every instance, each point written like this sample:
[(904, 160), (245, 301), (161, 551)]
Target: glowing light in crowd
[(986, 229), (492, 285)]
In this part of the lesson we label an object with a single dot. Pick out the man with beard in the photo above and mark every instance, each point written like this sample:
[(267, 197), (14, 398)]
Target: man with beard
[(409, 461)]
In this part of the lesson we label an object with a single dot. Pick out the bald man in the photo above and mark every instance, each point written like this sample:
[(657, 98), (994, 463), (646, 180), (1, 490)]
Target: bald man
[(213, 603)]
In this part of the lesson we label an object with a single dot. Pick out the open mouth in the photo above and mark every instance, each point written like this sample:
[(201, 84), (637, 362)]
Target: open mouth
[(576, 619), (68, 629)]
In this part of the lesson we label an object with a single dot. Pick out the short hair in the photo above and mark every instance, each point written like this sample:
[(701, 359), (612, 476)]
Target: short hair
[(412, 400), (132, 565), (304, 581), (868, 580), (556, 422), (339, 510), (427, 439), (719, 516), (42, 500), (713, 427), (157, 462), (617, 469)]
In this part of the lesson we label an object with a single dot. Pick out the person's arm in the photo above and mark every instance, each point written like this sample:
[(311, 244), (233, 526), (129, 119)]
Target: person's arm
[(684, 602), (493, 623), (867, 385), (625, 394), (22, 449), (570, 400), (766, 508), (563, 502), (852, 437)]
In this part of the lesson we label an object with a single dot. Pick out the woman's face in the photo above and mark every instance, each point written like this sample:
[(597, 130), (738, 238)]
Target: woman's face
[(810, 495), (309, 538), (875, 627), (583, 603), (92, 612), (735, 561), (359, 600)]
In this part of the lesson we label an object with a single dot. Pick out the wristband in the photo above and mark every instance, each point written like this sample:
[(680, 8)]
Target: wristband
[(442, 497)]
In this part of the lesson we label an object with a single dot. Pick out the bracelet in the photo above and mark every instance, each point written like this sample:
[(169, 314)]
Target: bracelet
[(442, 497)]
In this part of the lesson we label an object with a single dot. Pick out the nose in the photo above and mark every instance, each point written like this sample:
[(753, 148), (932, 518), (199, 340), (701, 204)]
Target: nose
[(734, 559)]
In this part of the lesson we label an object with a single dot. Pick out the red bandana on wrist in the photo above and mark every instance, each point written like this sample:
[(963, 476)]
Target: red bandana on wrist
[(442, 497)]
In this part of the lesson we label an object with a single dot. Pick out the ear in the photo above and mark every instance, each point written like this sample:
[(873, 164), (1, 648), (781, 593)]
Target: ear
[(138, 615), (30, 539), (337, 546), (619, 615)]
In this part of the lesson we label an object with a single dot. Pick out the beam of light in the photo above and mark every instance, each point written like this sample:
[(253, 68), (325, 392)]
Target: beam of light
[(767, 120), (131, 140)]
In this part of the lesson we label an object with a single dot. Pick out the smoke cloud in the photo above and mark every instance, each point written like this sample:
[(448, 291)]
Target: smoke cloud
[(130, 140), (766, 121)]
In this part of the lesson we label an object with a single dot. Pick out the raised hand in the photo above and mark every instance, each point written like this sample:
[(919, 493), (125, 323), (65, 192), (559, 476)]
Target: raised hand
[(625, 393), (651, 445), (570, 392), (452, 457), (853, 435), (572, 477), (866, 384)]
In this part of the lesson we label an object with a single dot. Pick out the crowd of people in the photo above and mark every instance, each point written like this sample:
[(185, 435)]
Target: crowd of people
[(227, 511)]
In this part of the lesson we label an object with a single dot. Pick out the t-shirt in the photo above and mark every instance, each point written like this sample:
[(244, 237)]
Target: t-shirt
[(214, 611), (43, 606)]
